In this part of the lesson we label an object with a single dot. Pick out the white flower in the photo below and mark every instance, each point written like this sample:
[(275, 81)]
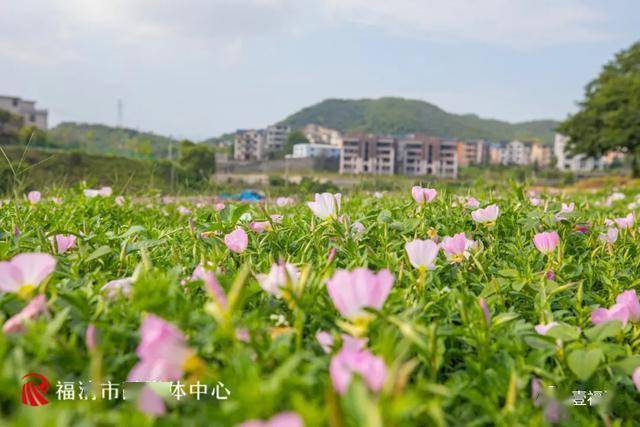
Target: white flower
[(325, 205), (278, 277)]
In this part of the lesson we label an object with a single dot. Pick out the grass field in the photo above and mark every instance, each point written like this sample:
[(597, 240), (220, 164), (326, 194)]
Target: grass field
[(369, 309)]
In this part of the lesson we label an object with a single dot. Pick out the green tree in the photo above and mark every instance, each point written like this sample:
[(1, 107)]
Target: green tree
[(295, 137), (10, 125), (33, 136), (609, 116), (198, 160)]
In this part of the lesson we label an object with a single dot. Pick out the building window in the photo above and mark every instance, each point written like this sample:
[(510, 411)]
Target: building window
[(14, 102), (32, 117)]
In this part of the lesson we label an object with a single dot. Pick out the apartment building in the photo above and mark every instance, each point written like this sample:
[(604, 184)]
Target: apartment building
[(448, 159), (249, 145), (275, 138), (474, 152), (301, 151), (516, 153), (368, 154), (31, 116), (541, 155), (320, 135), (569, 163), (419, 155)]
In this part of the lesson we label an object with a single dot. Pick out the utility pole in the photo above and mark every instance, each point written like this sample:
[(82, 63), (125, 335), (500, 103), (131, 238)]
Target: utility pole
[(119, 108)]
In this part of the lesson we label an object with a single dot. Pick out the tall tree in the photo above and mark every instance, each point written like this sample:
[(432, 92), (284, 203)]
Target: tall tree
[(609, 116)]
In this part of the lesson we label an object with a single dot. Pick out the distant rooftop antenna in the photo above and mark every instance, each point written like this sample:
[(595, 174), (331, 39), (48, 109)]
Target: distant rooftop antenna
[(120, 107)]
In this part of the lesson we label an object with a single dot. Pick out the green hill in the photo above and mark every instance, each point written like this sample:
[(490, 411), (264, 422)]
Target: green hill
[(398, 116), (101, 139)]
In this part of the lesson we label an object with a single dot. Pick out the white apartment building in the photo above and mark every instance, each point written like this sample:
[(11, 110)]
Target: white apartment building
[(577, 163), (27, 109), (516, 153), (302, 151), (276, 137), (317, 134)]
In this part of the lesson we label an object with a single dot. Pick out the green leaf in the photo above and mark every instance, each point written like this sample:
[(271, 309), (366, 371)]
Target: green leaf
[(628, 365), (584, 362), (603, 330), (564, 332), (101, 251)]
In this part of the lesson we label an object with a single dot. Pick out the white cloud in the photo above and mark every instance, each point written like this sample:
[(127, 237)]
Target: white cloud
[(516, 23)]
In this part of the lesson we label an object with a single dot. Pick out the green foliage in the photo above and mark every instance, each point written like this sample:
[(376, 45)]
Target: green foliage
[(608, 118), (102, 139), (399, 116), (10, 125), (447, 365), (198, 160), (29, 169)]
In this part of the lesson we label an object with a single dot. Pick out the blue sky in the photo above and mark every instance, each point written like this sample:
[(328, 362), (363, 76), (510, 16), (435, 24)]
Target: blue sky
[(198, 68)]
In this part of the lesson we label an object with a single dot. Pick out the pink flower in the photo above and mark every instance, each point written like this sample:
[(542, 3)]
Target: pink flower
[(213, 287), (182, 210), (280, 276), (284, 201), (260, 226), (162, 352), (488, 214), (625, 222), (25, 271), (627, 307), (636, 378), (326, 340), (352, 291), (34, 197), (423, 195), (485, 311), (56, 200), (150, 403), (219, 206), (32, 311), (610, 237), (535, 201), (472, 203), (546, 242), (422, 253), (542, 329), (457, 248), (358, 228), (630, 300), (243, 335), (353, 360), (332, 254), (119, 200), (326, 205), (616, 312), (237, 240), (118, 287), (90, 337), (105, 191), (283, 419), (276, 218), (567, 208), (64, 242)]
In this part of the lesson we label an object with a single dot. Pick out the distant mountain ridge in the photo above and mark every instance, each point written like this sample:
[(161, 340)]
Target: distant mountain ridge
[(392, 115)]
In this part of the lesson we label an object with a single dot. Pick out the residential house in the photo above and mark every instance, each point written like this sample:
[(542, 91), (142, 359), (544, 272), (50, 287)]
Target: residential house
[(26, 109)]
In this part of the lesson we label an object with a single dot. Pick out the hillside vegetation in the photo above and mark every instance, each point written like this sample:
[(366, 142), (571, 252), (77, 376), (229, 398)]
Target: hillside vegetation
[(398, 115), (102, 139)]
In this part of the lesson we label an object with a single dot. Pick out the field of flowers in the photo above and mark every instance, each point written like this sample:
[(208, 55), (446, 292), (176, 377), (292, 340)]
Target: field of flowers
[(426, 307)]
